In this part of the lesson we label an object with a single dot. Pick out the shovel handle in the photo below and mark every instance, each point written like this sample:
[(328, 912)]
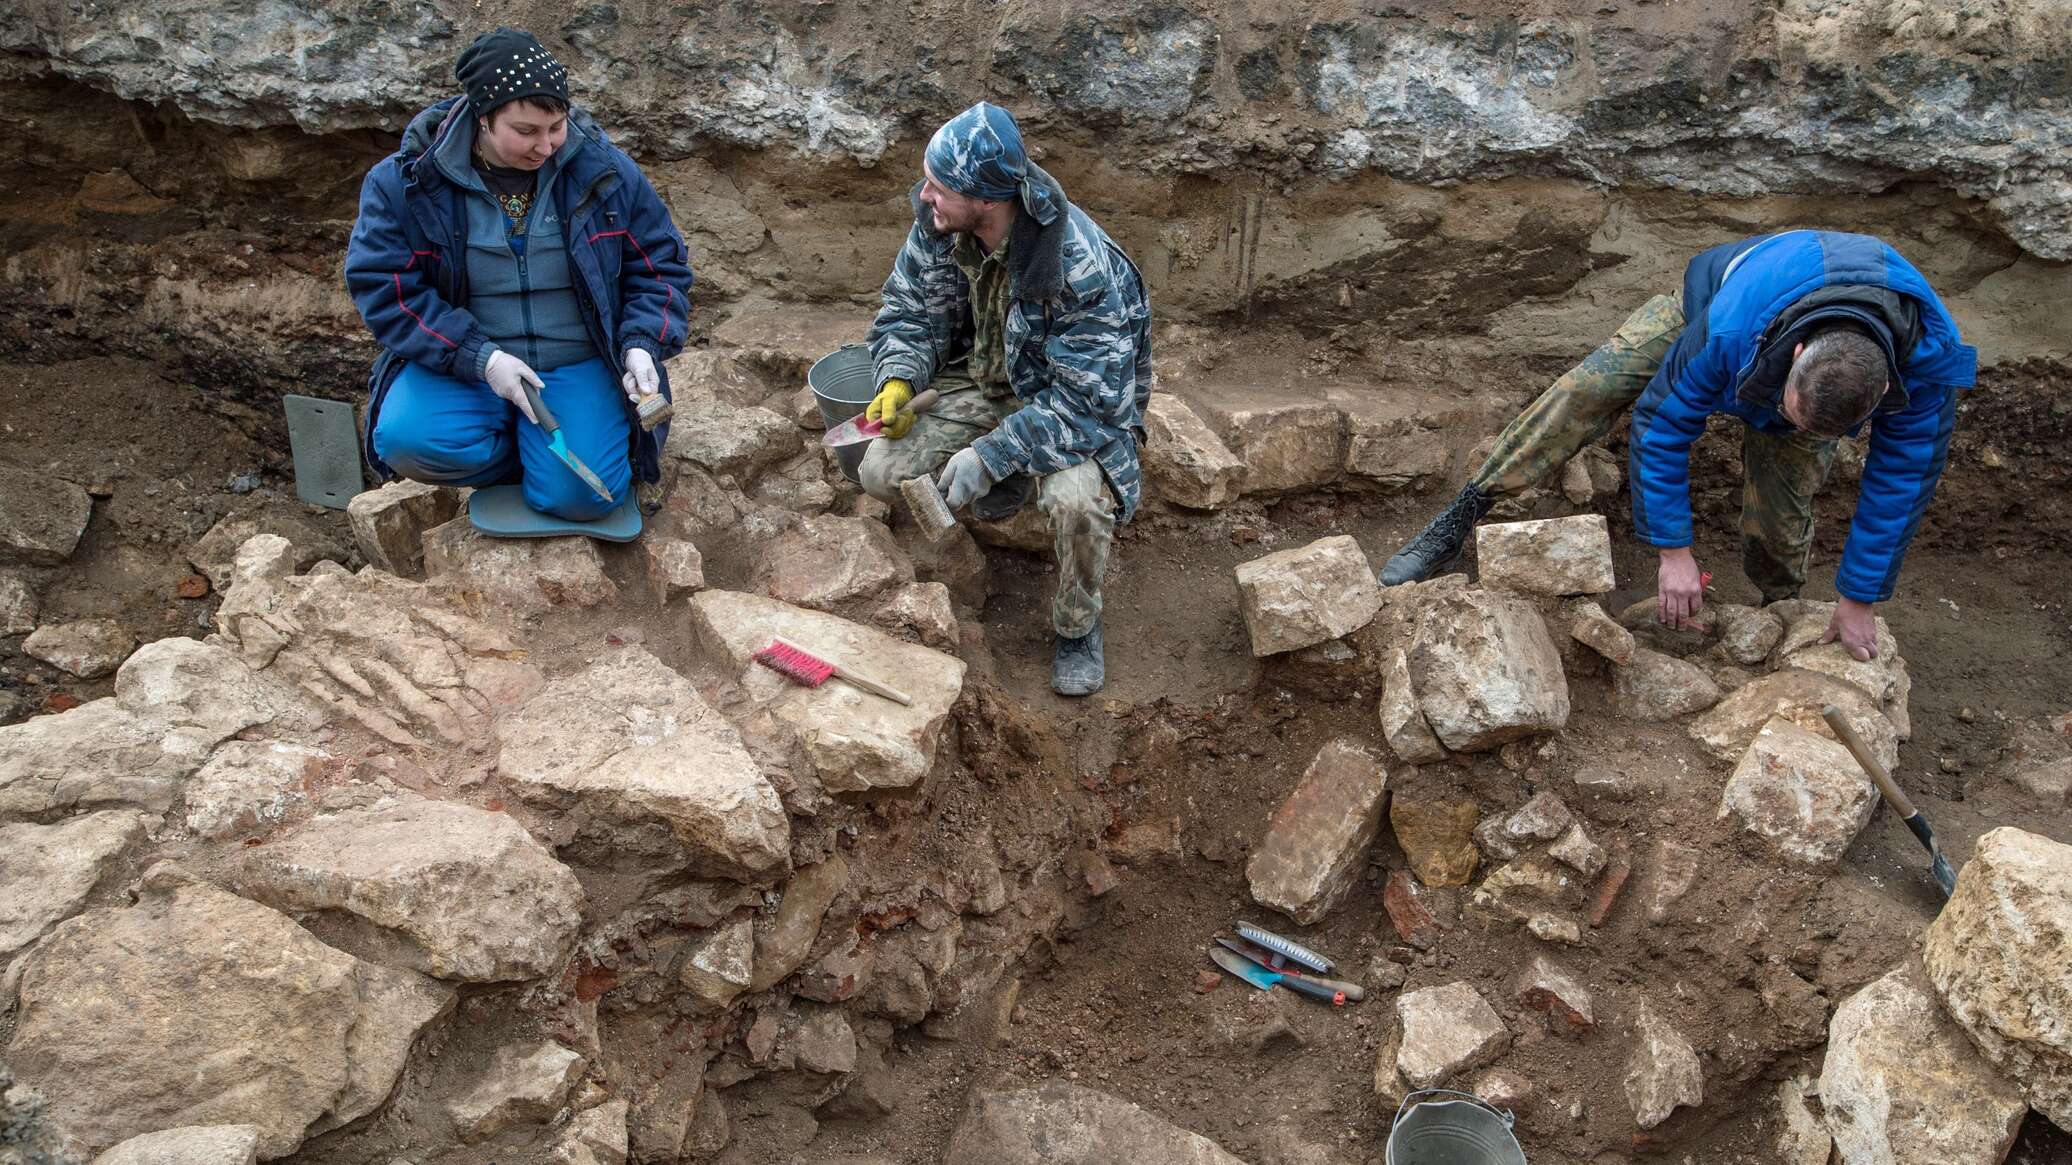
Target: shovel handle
[(1846, 733)]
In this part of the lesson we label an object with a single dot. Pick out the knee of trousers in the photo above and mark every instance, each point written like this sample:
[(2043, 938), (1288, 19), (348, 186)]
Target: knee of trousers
[(568, 500), (436, 458), (874, 475)]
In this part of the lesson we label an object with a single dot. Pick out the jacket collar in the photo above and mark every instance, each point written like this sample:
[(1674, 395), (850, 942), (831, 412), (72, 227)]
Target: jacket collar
[(1035, 252), (444, 135), (1892, 318)]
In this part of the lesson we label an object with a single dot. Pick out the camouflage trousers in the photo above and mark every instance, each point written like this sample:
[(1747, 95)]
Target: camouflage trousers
[(1780, 474), (1077, 501)]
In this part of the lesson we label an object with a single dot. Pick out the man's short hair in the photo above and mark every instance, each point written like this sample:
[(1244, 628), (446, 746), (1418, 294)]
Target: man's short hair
[(541, 102), (1840, 377)]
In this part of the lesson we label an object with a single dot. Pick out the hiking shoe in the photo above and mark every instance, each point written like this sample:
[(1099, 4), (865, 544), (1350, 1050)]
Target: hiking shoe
[(1439, 545), (1077, 669), (1005, 499)]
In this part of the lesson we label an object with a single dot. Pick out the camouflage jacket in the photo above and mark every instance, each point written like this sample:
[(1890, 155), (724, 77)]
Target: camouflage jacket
[(1078, 340)]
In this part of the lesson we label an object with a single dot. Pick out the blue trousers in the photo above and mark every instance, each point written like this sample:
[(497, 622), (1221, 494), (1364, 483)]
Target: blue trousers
[(442, 431)]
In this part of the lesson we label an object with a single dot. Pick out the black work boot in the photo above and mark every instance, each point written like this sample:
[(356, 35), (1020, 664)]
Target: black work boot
[(1078, 669), (1439, 544), (1005, 499)]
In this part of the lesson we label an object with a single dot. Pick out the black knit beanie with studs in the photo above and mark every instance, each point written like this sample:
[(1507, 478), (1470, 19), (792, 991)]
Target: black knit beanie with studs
[(508, 65)]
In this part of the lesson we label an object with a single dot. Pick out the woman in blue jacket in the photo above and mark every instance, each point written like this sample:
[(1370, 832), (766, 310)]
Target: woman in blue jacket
[(507, 244)]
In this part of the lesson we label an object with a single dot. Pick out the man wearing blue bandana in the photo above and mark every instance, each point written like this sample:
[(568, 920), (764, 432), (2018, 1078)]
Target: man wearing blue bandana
[(1035, 328)]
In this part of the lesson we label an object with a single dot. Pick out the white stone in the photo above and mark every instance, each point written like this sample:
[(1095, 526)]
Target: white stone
[(1543, 817), (89, 648), (829, 560), (527, 575), (1316, 843), (1575, 850), (1055, 1123), (1286, 445), (1726, 729), (522, 1084), (855, 740), (449, 890), (1553, 556), (1802, 1137), (2000, 956), (1591, 627), (674, 566), (192, 1145), (1747, 636), (719, 965), (1446, 1031), (1653, 686), (594, 1136), (47, 871), (1884, 677), (628, 743), (921, 612), (17, 605), (1802, 793), (249, 786), (1902, 1085), (1403, 723), (390, 523), (1304, 596), (1662, 1072), (1486, 671), (2050, 783), (733, 439), (1185, 463)]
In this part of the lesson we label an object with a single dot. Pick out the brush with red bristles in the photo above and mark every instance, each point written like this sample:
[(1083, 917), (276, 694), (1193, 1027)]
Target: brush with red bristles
[(802, 667)]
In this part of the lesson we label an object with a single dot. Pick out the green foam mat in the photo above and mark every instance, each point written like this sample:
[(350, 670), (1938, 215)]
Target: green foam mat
[(500, 512), (325, 442)]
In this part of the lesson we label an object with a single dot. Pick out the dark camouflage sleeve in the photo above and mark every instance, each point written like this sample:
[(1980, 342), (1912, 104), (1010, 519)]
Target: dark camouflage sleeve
[(1091, 398), (902, 343)]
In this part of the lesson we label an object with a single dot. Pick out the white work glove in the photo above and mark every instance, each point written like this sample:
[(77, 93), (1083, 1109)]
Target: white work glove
[(964, 480), (641, 379), (507, 376)]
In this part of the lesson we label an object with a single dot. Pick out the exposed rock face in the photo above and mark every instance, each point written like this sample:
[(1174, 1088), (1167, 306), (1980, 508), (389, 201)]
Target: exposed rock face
[(250, 786), (1662, 1072), (1445, 1031), (520, 1084), (527, 575), (41, 517), (1653, 686), (1286, 445), (18, 605), (1803, 793), (1437, 836), (193, 1145), (1184, 461), (856, 741), (451, 891), (390, 523), (249, 1019), (1402, 722), (731, 439), (1798, 696), (1485, 670), (1318, 838), (1304, 596), (627, 744), (1063, 1124), (50, 869), (1903, 1086), (89, 648), (829, 560), (1555, 556), (1997, 957)]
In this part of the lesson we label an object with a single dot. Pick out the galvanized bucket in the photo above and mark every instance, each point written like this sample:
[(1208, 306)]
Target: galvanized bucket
[(843, 382), (1467, 1131)]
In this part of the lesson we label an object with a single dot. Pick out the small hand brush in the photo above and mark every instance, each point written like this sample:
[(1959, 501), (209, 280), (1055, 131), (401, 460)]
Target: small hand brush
[(804, 668)]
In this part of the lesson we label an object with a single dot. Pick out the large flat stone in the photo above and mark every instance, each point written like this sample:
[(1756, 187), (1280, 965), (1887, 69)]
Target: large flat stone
[(856, 741), (1802, 793), (448, 890), (47, 871), (1300, 597), (1654, 686), (1884, 677), (733, 439), (390, 523), (192, 1145), (1485, 670), (1446, 1031), (1726, 729), (1902, 1085), (88, 648), (1396, 436), (1403, 723), (1286, 445), (1553, 556), (1998, 956), (527, 575), (521, 1084), (1056, 1123), (628, 743), (1316, 842), (829, 560), (41, 517), (249, 786), (1662, 1072), (1185, 463), (196, 1006)]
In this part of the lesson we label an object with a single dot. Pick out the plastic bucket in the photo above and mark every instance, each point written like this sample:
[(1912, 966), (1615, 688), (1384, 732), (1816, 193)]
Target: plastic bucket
[(843, 382), (1464, 1131)]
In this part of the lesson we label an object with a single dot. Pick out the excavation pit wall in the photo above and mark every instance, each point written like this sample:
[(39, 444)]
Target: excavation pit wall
[(1350, 331)]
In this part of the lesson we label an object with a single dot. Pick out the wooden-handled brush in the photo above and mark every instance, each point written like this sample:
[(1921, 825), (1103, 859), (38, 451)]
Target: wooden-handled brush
[(804, 668)]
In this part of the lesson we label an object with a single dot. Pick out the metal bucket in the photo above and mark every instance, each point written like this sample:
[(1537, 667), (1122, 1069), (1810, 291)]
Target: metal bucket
[(843, 382), (1467, 1131)]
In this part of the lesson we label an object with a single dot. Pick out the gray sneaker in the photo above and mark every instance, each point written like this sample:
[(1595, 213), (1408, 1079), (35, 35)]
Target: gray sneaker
[(1077, 669), (1439, 545)]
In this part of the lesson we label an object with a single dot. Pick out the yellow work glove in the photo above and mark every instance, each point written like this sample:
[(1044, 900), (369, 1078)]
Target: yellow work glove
[(886, 405)]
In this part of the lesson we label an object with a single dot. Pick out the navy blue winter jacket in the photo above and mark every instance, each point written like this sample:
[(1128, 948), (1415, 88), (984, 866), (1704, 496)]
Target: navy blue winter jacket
[(406, 265), (1748, 304)]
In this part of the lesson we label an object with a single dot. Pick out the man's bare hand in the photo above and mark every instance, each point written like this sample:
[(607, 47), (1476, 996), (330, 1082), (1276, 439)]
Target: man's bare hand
[(1680, 590), (1856, 625)]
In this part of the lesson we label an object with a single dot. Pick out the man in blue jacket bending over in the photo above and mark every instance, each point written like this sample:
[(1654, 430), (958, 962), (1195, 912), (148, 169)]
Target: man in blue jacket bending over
[(1807, 336)]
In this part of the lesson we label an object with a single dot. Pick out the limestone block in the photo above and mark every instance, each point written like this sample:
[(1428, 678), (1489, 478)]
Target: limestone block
[(1402, 722), (528, 575), (1317, 839), (1304, 596), (1653, 686), (1056, 1123), (1185, 463), (719, 964), (390, 523), (628, 743), (1662, 1072), (302, 541), (921, 612), (448, 890), (89, 648), (48, 870), (1446, 1031), (784, 944), (1437, 836), (1591, 627), (1998, 956), (1748, 636), (828, 560), (674, 566), (856, 741), (521, 1084), (249, 786), (191, 1145), (733, 439), (1798, 696), (17, 605), (1544, 986), (41, 517), (1396, 440), (1486, 671), (1286, 444), (1802, 793), (1884, 677), (1554, 556)]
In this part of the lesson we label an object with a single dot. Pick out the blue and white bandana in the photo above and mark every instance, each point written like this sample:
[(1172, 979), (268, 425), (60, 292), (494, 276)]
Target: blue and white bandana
[(979, 154)]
